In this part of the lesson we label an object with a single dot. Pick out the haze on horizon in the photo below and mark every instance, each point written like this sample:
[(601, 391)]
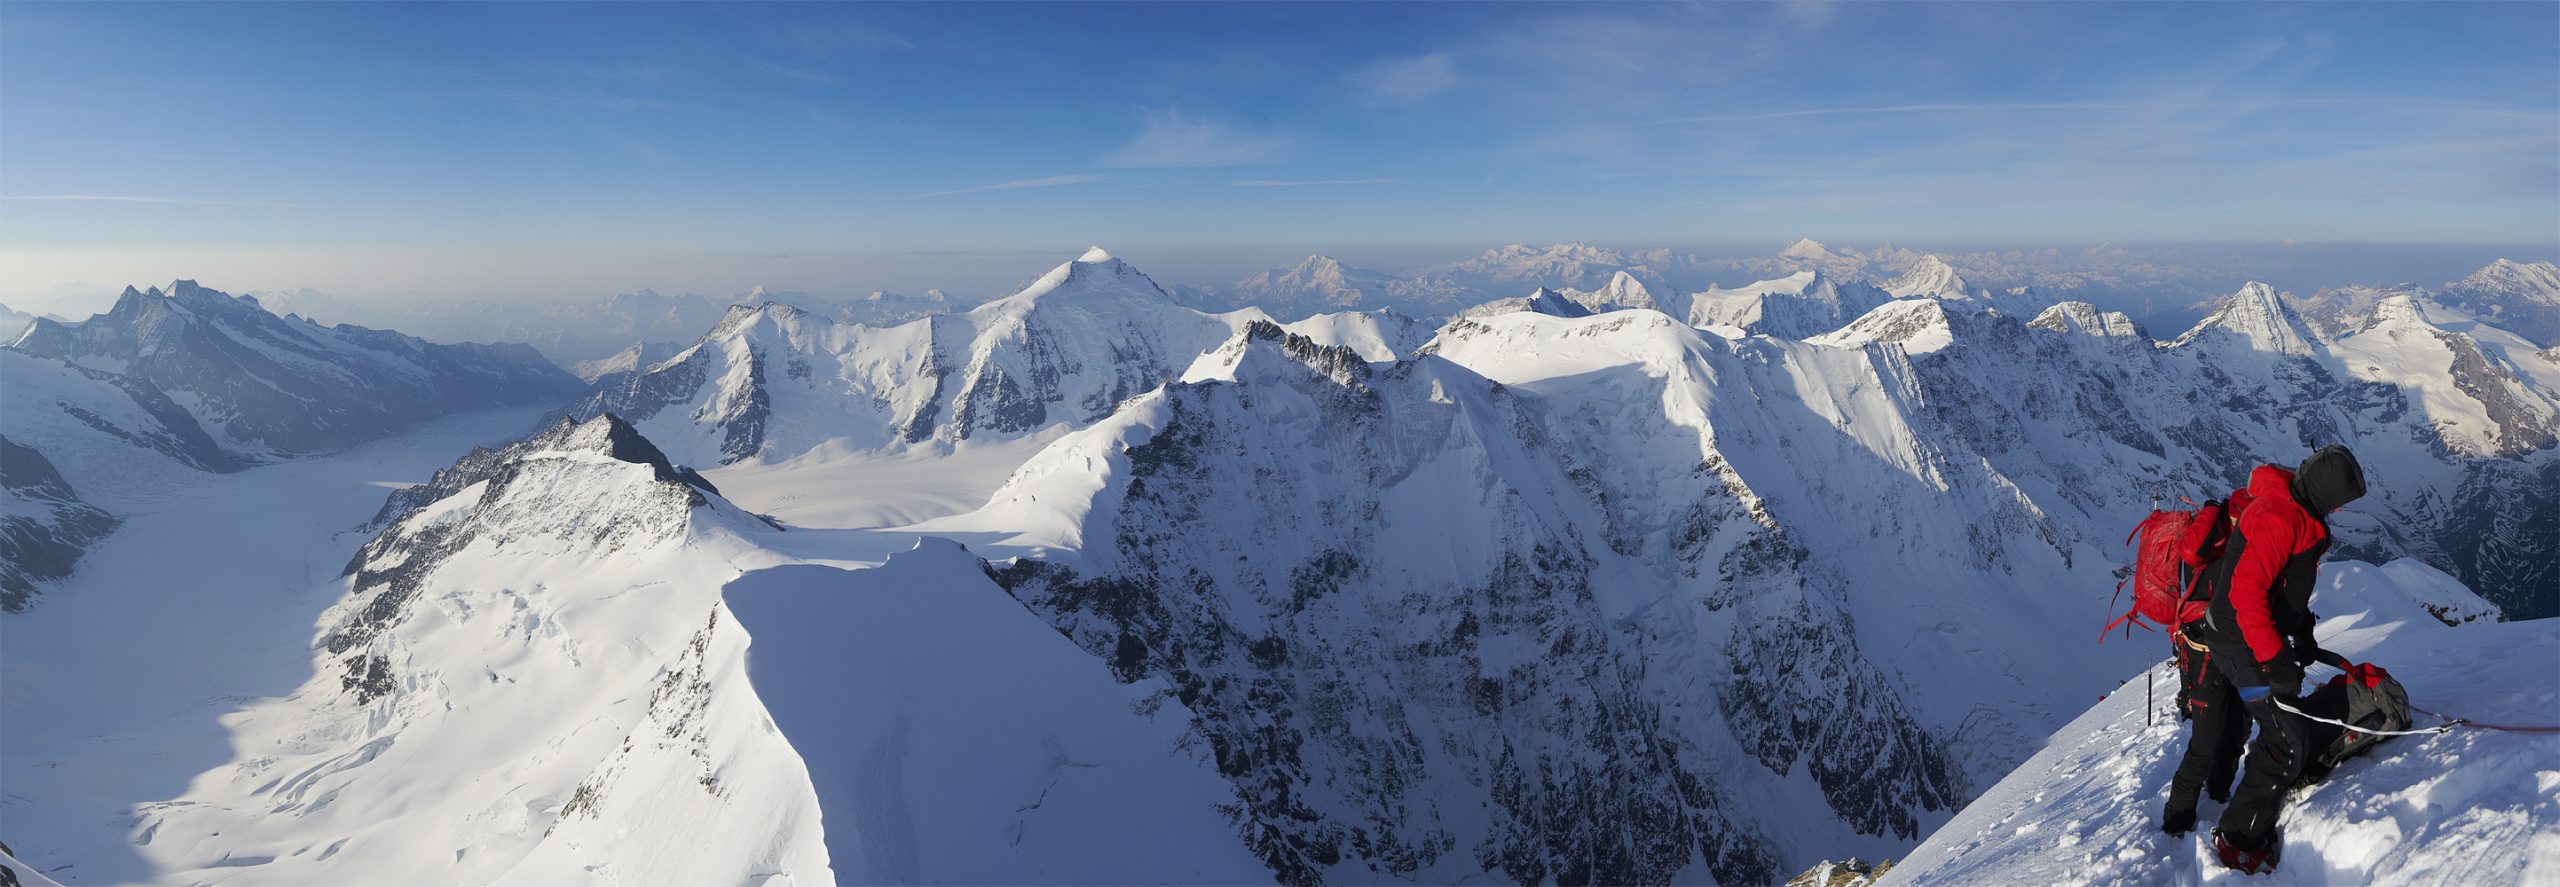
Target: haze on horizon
[(381, 149)]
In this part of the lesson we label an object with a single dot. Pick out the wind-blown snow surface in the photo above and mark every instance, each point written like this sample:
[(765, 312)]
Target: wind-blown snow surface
[(2470, 806), (954, 738), (530, 678)]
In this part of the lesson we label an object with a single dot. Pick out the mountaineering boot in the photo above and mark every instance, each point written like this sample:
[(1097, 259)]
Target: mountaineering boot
[(2177, 820), (2249, 862)]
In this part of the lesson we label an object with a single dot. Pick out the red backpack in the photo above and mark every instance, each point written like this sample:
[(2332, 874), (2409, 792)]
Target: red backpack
[(2171, 549)]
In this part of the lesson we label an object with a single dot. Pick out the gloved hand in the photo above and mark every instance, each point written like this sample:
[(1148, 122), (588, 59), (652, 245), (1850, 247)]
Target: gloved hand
[(2284, 675)]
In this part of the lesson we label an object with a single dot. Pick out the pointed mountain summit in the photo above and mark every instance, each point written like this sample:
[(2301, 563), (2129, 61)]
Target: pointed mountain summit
[(542, 620), (2520, 297), (1930, 278), (2513, 277), (2483, 389), (1096, 272), (1918, 325), (1623, 292), (1316, 285), (1544, 301), (1806, 249), (2258, 316), (2085, 319)]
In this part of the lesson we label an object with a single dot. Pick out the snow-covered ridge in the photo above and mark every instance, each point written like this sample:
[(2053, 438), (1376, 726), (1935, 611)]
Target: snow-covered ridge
[(772, 382), (1930, 278), (268, 386), (2257, 316), (538, 635), (594, 487), (1516, 568), (1798, 306), (2085, 319), (2471, 806)]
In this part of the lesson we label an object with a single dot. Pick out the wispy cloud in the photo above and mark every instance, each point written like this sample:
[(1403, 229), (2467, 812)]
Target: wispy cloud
[(1403, 80), (1171, 138), (1938, 108), (652, 153), (1279, 183), (127, 198), (824, 41), (1017, 184)]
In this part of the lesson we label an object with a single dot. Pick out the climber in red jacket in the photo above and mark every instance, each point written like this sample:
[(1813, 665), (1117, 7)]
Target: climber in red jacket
[(2259, 628)]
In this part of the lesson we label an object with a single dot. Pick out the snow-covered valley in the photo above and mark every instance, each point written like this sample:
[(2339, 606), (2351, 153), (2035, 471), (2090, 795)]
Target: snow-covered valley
[(1084, 586)]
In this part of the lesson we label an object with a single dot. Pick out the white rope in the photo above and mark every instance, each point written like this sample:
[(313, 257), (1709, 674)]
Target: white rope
[(2365, 730)]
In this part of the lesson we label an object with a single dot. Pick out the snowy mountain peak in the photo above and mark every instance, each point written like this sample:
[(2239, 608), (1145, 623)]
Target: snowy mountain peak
[(1543, 301), (2397, 308), (1805, 248), (1623, 292), (1097, 271), (578, 489), (2511, 276), (269, 385), (2258, 316), (2520, 297), (2085, 319), (1263, 351), (1919, 325), (189, 289), (1319, 266), (1930, 277), (1797, 306)]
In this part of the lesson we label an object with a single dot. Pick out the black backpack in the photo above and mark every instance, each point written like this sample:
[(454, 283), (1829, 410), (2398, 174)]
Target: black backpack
[(2382, 706)]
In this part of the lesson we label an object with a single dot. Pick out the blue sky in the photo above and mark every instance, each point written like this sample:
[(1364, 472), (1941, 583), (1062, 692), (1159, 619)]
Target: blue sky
[(582, 141)]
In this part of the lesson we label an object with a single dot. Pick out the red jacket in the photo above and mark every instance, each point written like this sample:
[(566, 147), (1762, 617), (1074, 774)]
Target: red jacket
[(2274, 556)]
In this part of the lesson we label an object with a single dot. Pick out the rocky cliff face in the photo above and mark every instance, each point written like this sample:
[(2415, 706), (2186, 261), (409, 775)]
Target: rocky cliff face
[(1842, 553), (1418, 637), (44, 526)]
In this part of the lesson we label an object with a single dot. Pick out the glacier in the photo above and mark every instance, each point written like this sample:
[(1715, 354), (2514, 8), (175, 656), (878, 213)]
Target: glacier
[(1621, 580)]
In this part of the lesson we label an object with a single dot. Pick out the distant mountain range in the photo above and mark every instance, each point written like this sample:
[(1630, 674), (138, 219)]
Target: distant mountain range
[(1590, 570), (186, 378)]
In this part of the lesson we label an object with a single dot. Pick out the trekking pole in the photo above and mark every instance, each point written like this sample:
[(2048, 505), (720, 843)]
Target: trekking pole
[(2148, 703)]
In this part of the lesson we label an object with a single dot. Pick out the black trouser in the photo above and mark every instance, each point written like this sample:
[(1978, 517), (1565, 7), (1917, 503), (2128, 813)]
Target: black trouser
[(2217, 729), (2275, 759)]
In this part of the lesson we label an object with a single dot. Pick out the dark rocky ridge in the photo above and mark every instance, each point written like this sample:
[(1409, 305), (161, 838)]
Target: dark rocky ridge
[(1354, 743), (36, 549)]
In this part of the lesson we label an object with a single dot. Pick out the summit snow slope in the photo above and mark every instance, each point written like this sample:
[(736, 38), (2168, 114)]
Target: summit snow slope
[(527, 678), (202, 601), (2470, 806)]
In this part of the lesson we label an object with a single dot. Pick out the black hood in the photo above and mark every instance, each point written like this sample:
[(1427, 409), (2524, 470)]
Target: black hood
[(2328, 480)]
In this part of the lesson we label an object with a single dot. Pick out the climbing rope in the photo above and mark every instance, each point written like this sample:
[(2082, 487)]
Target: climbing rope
[(2451, 721), (2367, 730)]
